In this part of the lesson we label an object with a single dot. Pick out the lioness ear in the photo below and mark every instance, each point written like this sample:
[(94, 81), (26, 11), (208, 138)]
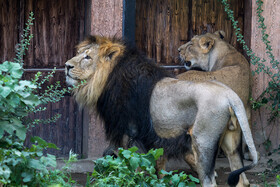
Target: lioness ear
[(206, 43), (221, 34)]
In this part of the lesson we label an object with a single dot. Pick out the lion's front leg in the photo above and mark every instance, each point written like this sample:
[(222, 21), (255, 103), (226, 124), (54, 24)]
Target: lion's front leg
[(160, 165), (112, 149)]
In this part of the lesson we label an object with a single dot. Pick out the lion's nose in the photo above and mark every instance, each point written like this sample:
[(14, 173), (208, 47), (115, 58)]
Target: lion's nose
[(69, 67)]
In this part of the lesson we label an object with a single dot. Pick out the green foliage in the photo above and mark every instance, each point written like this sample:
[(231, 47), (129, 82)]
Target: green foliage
[(19, 165), (133, 169), (28, 166), (271, 95)]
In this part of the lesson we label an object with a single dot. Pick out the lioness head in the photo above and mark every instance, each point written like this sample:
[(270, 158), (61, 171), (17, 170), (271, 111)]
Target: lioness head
[(94, 61), (196, 53)]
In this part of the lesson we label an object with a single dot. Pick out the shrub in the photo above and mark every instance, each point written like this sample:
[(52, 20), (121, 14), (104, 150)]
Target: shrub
[(19, 165), (133, 169)]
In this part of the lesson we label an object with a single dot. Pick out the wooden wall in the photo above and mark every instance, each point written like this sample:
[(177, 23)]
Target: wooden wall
[(58, 27), (163, 25)]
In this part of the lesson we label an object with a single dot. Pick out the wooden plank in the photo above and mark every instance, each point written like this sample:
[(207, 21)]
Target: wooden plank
[(58, 27), (9, 27), (163, 25)]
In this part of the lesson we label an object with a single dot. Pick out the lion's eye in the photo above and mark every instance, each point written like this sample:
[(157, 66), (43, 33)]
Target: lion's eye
[(88, 57)]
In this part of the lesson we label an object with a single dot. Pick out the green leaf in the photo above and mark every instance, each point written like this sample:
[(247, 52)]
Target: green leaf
[(42, 143), (5, 171), (158, 153), (17, 74), (36, 164), (3, 67), (193, 179), (23, 84), (14, 101), (175, 179), (50, 160), (14, 125), (31, 100), (191, 184), (27, 177), (134, 162), (182, 184), (1, 131), (126, 154), (165, 172), (5, 91), (133, 149), (15, 69)]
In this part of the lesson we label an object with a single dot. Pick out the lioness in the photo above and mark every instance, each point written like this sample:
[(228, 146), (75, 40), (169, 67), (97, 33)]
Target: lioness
[(138, 99), (223, 63)]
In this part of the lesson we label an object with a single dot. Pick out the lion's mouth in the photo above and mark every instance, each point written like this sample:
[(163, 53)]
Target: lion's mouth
[(69, 76), (187, 63)]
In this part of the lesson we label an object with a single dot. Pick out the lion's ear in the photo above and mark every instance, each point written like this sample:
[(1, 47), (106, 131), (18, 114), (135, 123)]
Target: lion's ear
[(206, 43), (113, 51), (221, 34)]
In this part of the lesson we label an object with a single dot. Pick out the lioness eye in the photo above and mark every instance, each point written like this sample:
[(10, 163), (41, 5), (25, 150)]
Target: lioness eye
[(87, 57)]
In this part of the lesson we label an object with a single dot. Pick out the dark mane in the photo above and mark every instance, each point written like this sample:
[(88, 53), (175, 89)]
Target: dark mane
[(124, 104)]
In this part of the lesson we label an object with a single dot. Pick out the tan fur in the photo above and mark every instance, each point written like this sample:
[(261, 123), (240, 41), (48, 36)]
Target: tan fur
[(223, 63)]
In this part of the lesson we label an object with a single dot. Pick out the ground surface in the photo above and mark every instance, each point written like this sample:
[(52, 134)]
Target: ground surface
[(255, 175)]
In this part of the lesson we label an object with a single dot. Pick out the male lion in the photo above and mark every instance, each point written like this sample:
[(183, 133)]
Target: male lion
[(223, 63), (138, 99)]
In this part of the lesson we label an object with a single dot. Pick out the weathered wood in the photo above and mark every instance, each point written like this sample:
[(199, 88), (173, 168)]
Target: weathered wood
[(262, 129), (163, 25), (58, 27), (8, 28)]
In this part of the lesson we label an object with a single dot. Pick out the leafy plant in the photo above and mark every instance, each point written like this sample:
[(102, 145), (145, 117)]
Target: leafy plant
[(270, 97), (19, 165), (133, 169)]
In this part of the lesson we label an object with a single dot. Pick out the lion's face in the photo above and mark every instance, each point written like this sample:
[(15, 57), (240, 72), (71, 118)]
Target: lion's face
[(197, 51), (83, 65), (95, 59)]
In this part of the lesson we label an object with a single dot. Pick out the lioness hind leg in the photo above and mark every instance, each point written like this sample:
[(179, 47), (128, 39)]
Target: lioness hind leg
[(231, 145)]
